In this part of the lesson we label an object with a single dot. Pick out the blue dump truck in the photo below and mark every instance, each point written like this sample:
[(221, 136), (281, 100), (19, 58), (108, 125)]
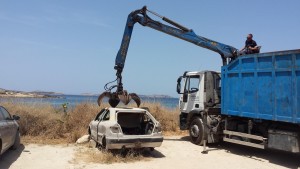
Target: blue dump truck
[(255, 101)]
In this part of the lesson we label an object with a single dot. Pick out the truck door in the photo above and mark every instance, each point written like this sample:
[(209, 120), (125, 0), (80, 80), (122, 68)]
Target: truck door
[(189, 98)]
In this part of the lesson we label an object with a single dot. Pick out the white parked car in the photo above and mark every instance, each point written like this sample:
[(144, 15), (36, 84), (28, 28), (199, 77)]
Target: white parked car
[(119, 128)]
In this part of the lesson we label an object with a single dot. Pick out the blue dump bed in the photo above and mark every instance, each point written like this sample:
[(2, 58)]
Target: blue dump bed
[(263, 86)]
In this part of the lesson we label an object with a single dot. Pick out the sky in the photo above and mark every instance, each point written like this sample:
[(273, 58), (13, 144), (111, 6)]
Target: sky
[(70, 46)]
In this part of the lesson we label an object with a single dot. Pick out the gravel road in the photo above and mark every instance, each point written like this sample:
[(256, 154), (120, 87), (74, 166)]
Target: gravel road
[(175, 153)]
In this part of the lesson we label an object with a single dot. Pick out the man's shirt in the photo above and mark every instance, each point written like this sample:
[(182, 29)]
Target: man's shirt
[(250, 43)]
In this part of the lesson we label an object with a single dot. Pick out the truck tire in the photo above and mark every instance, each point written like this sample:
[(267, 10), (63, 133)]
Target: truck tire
[(17, 141), (196, 131)]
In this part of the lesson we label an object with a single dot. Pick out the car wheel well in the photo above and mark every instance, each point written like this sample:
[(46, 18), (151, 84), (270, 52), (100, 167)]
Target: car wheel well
[(104, 142)]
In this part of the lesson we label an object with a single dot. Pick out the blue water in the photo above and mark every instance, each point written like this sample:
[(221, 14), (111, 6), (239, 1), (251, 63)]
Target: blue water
[(76, 99)]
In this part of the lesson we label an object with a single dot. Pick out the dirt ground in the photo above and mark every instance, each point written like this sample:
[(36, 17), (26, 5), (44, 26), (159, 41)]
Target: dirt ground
[(176, 152)]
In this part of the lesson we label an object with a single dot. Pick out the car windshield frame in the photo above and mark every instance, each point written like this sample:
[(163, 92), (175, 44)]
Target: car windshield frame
[(5, 114)]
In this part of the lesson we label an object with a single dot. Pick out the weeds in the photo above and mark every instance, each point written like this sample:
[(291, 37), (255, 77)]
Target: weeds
[(88, 154), (47, 122)]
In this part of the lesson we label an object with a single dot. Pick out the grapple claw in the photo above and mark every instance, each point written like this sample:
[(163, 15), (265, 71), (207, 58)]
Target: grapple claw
[(136, 98), (101, 96), (115, 98), (126, 98)]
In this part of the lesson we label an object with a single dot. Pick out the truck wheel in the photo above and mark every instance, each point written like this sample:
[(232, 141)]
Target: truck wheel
[(17, 141), (196, 131)]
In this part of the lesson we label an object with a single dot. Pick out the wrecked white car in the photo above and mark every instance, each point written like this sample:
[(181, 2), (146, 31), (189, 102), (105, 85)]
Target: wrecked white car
[(122, 128)]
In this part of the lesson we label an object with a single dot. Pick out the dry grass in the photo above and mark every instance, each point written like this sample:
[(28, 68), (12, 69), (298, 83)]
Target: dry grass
[(43, 123), (93, 155), (168, 118)]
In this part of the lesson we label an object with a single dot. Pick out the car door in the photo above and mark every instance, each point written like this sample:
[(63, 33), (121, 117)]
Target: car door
[(103, 125), (95, 122), (4, 131), (12, 128)]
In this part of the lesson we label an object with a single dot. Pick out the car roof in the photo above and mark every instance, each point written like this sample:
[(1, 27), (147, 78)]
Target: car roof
[(127, 109)]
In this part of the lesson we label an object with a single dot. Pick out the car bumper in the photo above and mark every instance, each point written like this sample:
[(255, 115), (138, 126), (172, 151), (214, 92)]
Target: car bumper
[(115, 143)]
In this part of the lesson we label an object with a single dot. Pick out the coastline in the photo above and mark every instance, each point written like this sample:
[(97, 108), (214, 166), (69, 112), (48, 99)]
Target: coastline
[(20, 94), (57, 99)]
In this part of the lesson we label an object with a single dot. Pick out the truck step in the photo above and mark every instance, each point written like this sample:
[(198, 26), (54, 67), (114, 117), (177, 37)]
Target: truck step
[(251, 136), (245, 143), (228, 133)]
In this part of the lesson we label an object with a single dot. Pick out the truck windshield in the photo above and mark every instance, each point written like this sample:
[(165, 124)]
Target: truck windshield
[(192, 84)]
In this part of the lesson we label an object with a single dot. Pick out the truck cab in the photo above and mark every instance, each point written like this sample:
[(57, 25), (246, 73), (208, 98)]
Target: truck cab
[(260, 102), (199, 91)]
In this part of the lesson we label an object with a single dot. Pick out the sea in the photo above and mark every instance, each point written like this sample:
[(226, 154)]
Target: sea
[(73, 100)]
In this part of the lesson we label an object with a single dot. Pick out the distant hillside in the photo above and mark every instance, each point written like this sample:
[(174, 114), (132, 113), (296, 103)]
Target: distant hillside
[(46, 93), (157, 96), (34, 94), (141, 95)]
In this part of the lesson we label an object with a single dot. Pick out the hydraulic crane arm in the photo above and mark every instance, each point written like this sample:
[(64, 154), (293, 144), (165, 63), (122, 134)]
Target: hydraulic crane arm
[(178, 31), (140, 16)]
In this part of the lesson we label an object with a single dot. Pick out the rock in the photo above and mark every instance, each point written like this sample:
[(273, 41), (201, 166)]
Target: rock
[(83, 139)]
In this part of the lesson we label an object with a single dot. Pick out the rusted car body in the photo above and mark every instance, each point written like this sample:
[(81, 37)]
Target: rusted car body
[(117, 128)]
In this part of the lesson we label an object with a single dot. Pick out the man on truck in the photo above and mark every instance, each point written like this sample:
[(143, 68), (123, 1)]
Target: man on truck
[(250, 46)]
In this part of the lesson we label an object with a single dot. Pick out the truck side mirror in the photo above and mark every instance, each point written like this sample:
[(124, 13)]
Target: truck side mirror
[(179, 85)]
